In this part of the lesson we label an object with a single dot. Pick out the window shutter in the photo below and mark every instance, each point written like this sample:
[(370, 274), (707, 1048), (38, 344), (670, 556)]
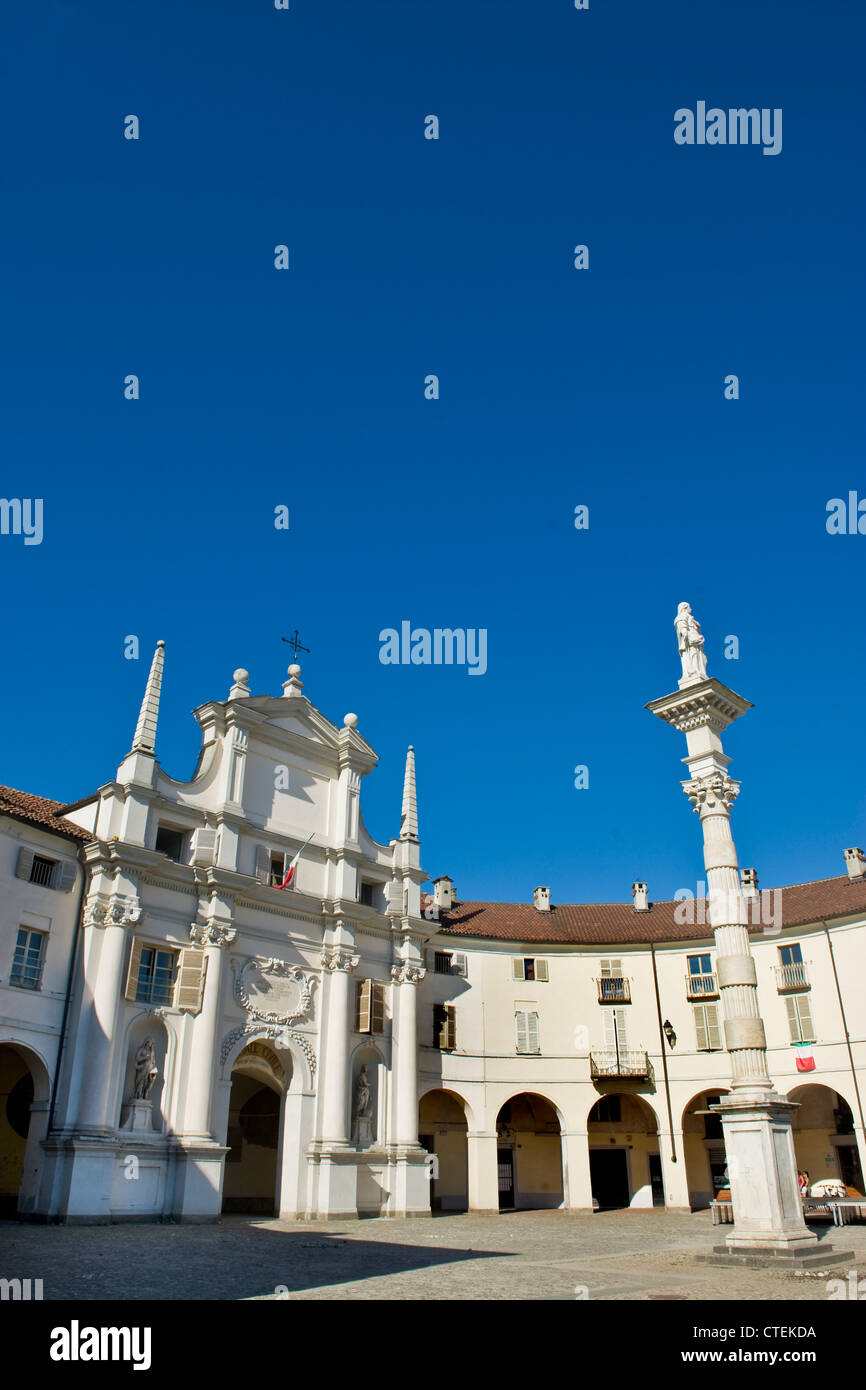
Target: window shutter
[(204, 845), (134, 963), (363, 1010), (459, 966), (517, 968), (701, 1026), (714, 1039), (541, 971), (807, 1031), (450, 1027), (65, 877), (532, 1032), (263, 864), (190, 981), (610, 1036), (520, 1025), (377, 1006), (24, 867)]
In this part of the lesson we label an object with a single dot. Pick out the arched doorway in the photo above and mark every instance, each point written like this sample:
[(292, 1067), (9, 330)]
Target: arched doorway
[(624, 1161), (24, 1091), (442, 1131), (704, 1150), (253, 1137), (824, 1142), (529, 1154)]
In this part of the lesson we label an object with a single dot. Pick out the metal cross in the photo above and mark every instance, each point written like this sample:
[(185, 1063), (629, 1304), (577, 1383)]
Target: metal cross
[(294, 643)]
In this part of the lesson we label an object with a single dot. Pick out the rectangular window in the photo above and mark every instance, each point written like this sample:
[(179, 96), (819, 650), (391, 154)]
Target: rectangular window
[(28, 958), (529, 968), (155, 983), (169, 842), (700, 965), (526, 1030), (611, 969), (609, 1108), (791, 955), (707, 1027), (615, 1036), (369, 1006), (444, 1027), (366, 894), (42, 871), (442, 963), (277, 868), (799, 1018)]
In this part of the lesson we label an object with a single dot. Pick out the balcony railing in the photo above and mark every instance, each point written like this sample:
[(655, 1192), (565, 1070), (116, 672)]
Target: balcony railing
[(610, 1064), (702, 986), (613, 990), (793, 976)]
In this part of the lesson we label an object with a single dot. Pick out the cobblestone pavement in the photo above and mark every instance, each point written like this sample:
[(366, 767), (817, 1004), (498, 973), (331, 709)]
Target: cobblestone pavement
[(521, 1255)]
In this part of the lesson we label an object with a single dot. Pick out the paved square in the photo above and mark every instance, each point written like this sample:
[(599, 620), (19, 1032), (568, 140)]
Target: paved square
[(518, 1255)]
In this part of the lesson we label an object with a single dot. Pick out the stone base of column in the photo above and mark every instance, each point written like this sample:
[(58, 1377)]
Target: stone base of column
[(198, 1180), (765, 1196), (769, 1257), (409, 1168)]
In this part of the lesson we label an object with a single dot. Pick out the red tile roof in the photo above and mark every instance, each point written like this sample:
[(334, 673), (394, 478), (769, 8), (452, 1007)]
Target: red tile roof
[(619, 924), (38, 810)]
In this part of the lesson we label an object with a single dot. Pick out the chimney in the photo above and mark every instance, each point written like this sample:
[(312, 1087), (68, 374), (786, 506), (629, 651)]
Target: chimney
[(638, 892), (443, 893), (855, 863), (749, 883), (542, 899)]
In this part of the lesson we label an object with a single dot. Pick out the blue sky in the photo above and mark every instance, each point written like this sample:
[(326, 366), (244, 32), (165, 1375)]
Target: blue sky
[(558, 387)]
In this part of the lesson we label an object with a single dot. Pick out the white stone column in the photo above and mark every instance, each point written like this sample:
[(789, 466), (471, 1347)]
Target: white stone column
[(577, 1186), (405, 1052), (339, 962), (215, 938), (106, 992), (484, 1172)]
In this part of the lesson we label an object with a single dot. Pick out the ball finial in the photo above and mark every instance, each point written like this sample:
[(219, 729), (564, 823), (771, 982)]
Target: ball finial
[(294, 670), (241, 676), (350, 720)]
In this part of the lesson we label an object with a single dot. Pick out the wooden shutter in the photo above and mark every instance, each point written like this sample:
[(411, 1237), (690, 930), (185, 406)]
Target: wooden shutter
[(450, 1027), (444, 1027), (65, 875), (701, 1026), (363, 1005), (459, 966), (204, 845), (24, 867), (189, 987), (611, 1037), (263, 864), (532, 1032), (806, 1024), (132, 972), (714, 1037), (377, 1006), (541, 971), (800, 1018), (517, 968), (521, 1030)]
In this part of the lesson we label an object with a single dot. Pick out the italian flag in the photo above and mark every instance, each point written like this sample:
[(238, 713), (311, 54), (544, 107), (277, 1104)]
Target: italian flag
[(290, 872), (804, 1058)]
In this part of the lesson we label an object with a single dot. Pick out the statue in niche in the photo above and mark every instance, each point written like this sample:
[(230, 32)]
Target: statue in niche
[(691, 645), (362, 1093), (146, 1070)]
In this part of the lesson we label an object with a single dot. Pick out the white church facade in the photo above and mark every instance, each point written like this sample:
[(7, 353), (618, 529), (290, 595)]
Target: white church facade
[(223, 995)]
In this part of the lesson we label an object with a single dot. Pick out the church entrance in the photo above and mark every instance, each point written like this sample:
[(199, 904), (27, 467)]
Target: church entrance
[(253, 1137)]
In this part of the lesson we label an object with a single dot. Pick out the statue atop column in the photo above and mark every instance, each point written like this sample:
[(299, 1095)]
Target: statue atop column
[(691, 646)]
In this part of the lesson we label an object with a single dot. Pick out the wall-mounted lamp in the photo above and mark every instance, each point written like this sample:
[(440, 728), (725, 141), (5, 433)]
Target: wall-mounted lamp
[(667, 1029)]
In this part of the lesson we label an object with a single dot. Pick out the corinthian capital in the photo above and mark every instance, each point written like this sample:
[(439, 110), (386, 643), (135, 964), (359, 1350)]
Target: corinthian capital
[(338, 958), (403, 974), (212, 934), (714, 792), (116, 912)]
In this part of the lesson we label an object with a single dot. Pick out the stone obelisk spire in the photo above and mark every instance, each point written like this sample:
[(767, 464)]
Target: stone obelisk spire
[(756, 1121)]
